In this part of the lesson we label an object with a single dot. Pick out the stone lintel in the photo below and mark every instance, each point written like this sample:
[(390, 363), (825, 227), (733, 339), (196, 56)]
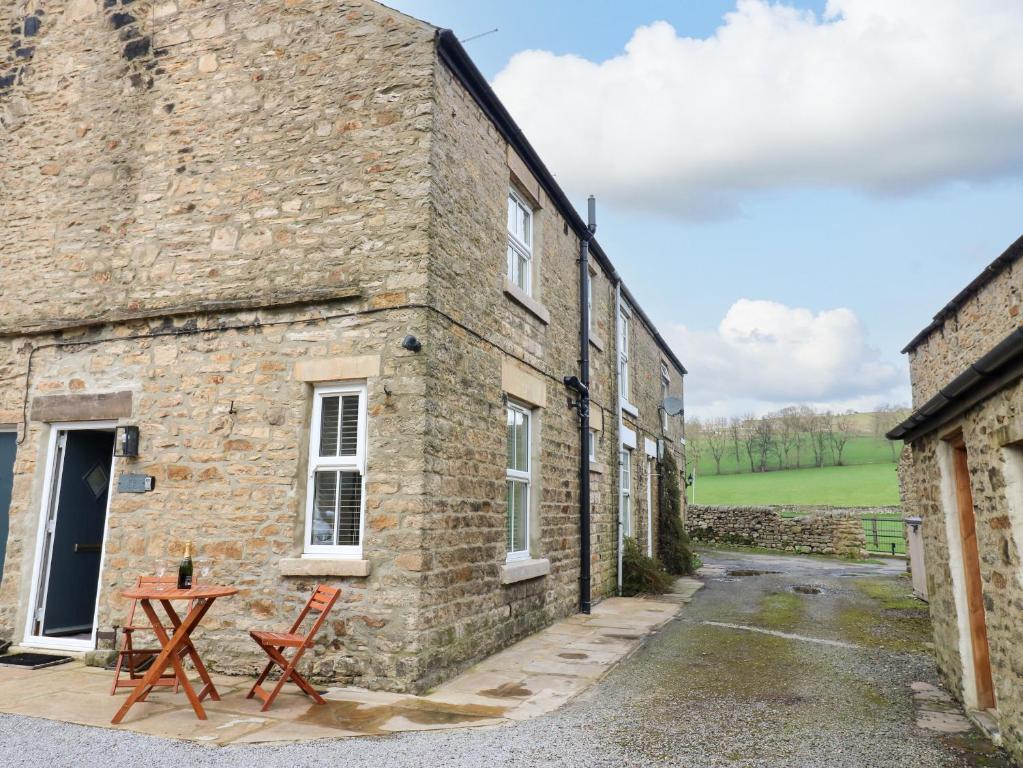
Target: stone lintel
[(523, 299), (522, 384), (523, 570), (338, 368), (323, 566), (525, 178), (104, 406)]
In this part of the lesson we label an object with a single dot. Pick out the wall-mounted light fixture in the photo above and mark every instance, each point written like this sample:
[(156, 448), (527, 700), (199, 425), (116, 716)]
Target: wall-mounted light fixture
[(126, 441)]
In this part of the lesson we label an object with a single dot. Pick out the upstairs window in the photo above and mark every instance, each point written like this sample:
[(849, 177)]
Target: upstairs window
[(624, 323), (337, 465), (665, 385), (520, 242), (594, 445), (519, 479)]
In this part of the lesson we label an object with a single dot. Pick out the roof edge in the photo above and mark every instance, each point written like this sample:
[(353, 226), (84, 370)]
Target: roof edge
[(1008, 257), (457, 59), (1000, 366)]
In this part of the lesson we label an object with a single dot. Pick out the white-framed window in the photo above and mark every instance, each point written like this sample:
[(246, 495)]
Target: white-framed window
[(589, 299), (520, 242), (337, 468), (594, 444), (665, 385), (626, 491), (624, 323), (519, 426)]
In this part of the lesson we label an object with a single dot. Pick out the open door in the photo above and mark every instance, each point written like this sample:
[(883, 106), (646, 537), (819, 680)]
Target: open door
[(971, 579), (7, 448), (65, 598)]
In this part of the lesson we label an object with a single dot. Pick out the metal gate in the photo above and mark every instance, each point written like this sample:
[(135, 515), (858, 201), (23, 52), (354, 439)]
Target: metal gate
[(885, 535)]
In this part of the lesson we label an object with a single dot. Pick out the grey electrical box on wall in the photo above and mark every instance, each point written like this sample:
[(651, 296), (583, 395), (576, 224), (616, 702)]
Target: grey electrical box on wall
[(135, 483)]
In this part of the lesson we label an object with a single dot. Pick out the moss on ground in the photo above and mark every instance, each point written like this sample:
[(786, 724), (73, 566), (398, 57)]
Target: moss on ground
[(780, 611)]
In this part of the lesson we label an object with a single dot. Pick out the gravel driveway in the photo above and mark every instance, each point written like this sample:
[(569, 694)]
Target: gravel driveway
[(825, 682)]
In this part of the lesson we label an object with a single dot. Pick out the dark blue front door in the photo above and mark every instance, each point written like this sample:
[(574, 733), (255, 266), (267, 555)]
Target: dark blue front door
[(7, 448), (78, 533)]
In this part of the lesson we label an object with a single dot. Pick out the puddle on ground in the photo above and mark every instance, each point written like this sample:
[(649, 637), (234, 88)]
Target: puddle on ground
[(362, 718), (750, 572), (622, 636), (807, 589), (573, 656), (507, 691)]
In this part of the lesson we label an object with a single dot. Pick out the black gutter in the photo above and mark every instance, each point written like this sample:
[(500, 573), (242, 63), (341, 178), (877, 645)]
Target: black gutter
[(995, 370), (458, 61), (1009, 257)]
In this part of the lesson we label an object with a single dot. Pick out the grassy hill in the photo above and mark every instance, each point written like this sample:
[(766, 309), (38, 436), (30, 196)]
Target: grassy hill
[(859, 450), (859, 485)]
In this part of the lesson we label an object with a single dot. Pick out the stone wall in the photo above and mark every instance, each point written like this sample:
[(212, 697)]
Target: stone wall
[(981, 323), (992, 432), (199, 196), (821, 531)]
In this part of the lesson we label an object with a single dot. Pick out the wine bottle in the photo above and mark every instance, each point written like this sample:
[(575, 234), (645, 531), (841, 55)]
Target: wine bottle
[(185, 569)]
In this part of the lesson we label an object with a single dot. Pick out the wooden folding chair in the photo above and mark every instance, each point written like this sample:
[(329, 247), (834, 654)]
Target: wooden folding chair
[(130, 658), (274, 643)]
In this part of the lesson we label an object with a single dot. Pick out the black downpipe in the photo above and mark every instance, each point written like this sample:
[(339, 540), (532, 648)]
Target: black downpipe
[(584, 408)]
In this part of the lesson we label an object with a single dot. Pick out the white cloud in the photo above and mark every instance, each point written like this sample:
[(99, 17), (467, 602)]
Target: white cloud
[(765, 355), (877, 95)]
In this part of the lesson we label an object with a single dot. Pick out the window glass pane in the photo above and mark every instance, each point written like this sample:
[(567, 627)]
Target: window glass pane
[(510, 538), (349, 509), (517, 497), (349, 425), (522, 272), (329, 426), (324, 508), (512, 211), (522, 443), (510, 430), (527, 222)]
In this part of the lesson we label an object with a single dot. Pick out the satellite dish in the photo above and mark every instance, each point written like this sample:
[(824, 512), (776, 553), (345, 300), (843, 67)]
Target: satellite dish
[(673, 406)]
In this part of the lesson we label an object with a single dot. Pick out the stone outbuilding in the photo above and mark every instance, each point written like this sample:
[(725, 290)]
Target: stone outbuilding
[(301, 254), (963, 476)]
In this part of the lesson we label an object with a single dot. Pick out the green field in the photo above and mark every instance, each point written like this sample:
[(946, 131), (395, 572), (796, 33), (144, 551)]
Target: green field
[(859, 450), (862, 485)]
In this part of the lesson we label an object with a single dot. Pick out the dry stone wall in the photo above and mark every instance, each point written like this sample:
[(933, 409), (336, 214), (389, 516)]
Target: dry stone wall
[(818, 531)]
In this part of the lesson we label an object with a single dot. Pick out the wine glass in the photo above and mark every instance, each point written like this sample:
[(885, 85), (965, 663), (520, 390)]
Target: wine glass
[(161, 569), (204, 570)]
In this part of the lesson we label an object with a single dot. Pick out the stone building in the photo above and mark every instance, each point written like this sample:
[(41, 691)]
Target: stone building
[(305, 251), (963, 475)]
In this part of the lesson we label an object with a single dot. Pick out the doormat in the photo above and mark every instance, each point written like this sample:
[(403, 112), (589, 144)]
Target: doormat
[(32, 660)]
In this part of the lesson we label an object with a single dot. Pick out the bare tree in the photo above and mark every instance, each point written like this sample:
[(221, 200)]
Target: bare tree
[(789, 430), (838, 435), (735, 432), (716, 438), (748, 435), (763, 440), (694, 442), (818, 426), (886, 418)]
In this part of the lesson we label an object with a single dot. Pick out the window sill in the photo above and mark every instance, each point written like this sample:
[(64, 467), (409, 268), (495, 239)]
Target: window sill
[(596, 468), (520, 297), (630, 409), (323, 566), (596, 341), (523, 570)]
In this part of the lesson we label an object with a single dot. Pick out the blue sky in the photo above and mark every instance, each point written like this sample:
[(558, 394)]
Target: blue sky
[(889, 241)]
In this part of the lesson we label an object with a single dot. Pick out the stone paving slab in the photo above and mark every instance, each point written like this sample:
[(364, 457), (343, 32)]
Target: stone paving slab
[(533, 677)]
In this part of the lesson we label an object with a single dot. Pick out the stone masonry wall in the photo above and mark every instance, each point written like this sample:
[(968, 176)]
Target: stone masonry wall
[(985, 320), (993, 433), (235, 483), (822, 531), (469, 611), (177, 152)]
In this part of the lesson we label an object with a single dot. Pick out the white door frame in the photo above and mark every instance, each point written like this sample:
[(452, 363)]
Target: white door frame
[(51, 495), (649, 506)]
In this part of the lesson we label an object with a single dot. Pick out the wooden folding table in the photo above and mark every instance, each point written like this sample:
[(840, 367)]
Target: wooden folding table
[(178, 645)]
